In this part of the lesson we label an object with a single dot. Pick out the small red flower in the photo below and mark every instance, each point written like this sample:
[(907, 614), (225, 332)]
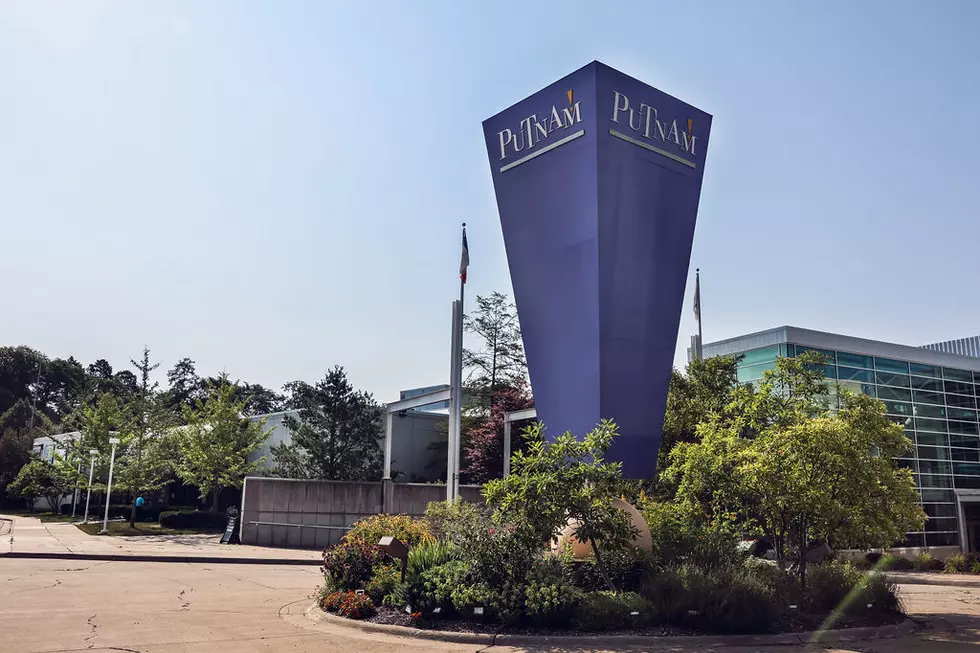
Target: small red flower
[(492, 531)]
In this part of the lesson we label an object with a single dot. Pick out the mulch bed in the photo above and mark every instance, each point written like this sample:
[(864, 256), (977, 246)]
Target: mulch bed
[(801, 623)]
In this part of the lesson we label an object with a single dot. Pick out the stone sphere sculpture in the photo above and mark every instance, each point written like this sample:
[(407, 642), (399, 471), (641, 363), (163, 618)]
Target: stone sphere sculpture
[(583, 550)]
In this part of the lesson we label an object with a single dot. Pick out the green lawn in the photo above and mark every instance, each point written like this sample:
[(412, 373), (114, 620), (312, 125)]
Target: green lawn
[(122, 529), (43, 516)]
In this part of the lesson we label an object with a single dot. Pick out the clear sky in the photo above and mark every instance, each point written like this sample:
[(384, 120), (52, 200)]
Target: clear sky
[(199, 176)]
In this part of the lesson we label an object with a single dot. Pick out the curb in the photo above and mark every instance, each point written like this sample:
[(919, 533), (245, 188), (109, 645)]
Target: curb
[(925, 578), (907, 627), (136, 557)]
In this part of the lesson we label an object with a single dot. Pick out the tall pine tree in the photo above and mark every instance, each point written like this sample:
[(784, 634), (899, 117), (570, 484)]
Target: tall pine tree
[(337, 435)]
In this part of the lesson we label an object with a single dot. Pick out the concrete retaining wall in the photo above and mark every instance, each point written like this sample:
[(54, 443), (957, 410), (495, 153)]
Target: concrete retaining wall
[(316, 514)]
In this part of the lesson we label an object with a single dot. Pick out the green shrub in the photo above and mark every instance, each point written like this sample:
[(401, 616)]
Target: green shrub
[(683, 536), (356, 606), (350, 565), (668, 595), (975, 567), (955, 564), (406, 529), (200, 519), (384, 579), (428, 555), (733, 599), (466, 597), (441, 516), (433, 587), (873, 557), (627, 569), (894, 563), (925, 562), (877, 591), (828, 584), (597, 611)]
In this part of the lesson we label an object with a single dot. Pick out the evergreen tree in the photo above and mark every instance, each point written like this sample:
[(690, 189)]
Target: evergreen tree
[(337, 435)]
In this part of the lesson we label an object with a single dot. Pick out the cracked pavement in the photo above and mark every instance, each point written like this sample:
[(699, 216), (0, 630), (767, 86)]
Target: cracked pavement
[(47, 606)]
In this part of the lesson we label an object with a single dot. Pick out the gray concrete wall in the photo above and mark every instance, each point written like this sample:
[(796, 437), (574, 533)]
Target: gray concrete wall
[(316, 514)]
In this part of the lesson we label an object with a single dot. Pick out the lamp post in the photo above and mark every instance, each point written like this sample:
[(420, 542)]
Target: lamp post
[(108, 487), (91, 468)]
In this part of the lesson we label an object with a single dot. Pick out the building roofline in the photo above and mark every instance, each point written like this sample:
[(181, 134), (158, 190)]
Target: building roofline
[(840, 342)]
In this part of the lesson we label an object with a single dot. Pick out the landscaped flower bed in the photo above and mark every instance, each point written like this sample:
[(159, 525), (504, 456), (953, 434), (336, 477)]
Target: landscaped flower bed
[(498, 567)]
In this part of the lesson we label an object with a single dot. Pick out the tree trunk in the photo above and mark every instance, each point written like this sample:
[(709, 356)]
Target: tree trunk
[(132, 514), (602, 567), (802, 565), (214, 499)]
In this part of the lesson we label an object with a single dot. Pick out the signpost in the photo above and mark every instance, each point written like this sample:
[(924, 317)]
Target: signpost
[(597, 179)]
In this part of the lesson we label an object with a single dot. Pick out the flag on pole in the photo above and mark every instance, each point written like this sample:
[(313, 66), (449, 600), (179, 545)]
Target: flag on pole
[(697, 296), (464, 261)]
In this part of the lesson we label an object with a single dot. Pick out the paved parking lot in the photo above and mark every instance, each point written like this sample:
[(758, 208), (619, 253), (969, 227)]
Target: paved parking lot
[(150, 607)]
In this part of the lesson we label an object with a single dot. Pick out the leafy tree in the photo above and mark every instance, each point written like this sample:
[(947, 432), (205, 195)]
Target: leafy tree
[(500, 360), (568, 479), (832, 479), (483, 440), (217, 441), (706, 389), (101, 378), (61, 387), (185, 387), (337, 435), (101, 418), (145, 465), (19, 370), (792, 470), (39, 478), (18, 428)]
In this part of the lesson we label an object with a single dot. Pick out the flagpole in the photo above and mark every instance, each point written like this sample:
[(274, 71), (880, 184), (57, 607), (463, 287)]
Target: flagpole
[(697, 293), (458, 390)]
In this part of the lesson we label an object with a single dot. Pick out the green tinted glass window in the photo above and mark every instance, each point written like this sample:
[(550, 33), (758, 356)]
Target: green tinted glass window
[(855, 360), (891, 365), (888, 378), (960, 401), (932, 439), (966, 428), (928, 410), (923, 424), (857, 387), (922, 383), (966, 469), (830, 371), (942, 539), (941, 524), (898, 394), (763, 355), (966, 455), (753, 372), (959, 387), (933, 453), (897, 407), (964, 441), (934, 480), (939, 496), (962, 413), (926, 397), (940, 509), (851, 374), (957, 375), (935, 467), (925, 370)]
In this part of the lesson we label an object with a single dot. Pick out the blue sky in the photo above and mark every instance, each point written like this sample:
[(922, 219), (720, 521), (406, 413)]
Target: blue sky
[(273, 188)]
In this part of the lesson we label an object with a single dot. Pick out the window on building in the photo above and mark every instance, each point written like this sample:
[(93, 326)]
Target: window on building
[(961, 401), (957, 375), (855, 360), (891, 365), (923, 383), (925, 370), (889, 378)]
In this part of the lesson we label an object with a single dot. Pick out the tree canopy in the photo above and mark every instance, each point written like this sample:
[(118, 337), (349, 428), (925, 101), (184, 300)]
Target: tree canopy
[(336, 435)]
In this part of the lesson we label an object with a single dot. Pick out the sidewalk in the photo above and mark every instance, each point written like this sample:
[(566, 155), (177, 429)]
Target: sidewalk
[(28, 537)]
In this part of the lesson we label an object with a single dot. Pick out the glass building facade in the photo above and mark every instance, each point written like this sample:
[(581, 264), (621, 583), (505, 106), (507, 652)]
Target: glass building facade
[(933, 395)]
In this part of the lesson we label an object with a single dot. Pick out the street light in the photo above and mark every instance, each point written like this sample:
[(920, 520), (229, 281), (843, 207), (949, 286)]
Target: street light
[(91, 468), (108, 487)]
